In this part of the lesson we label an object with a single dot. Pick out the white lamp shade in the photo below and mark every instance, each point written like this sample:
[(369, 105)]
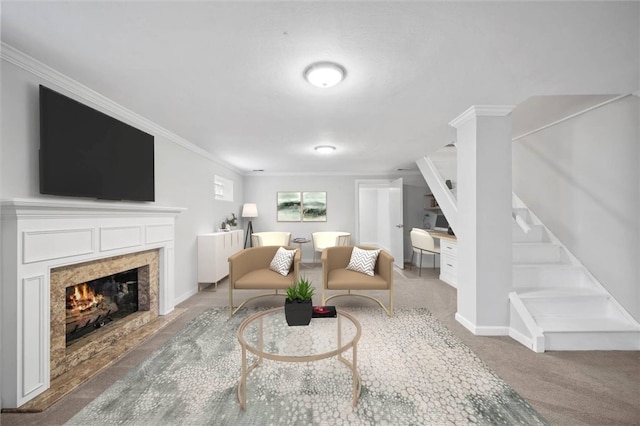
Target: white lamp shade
[(250, 210)]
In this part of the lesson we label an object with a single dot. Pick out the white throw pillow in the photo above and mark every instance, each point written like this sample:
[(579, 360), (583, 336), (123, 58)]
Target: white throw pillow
[(363, 260), (281, 262)]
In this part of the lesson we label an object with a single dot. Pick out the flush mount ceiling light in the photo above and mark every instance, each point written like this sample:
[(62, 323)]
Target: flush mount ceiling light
[(324, 74), (325, 149)]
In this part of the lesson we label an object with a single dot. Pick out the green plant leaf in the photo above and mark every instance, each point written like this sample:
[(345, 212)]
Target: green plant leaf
[(302, 290)]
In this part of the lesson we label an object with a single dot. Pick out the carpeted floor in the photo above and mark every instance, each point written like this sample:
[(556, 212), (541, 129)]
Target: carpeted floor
[(567, 388), (413, 370)]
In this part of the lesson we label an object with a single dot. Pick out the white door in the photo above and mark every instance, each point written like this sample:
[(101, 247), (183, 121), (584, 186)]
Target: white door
[(379, 216)]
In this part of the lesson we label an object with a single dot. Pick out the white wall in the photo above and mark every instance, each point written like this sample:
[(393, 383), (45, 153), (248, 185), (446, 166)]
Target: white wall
[(581, 177), (184, 178), (341, 203)]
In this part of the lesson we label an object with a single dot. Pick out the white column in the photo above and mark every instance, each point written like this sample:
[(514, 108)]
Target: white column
[(484, 218)]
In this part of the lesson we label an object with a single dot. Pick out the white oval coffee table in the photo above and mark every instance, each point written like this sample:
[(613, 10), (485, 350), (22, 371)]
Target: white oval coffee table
[(267, 335)]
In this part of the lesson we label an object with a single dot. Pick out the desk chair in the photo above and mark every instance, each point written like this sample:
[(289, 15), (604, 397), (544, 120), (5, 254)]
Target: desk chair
[(324, 239), (422, 241)]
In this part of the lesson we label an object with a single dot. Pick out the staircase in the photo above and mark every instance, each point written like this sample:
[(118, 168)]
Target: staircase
[(556, 304)]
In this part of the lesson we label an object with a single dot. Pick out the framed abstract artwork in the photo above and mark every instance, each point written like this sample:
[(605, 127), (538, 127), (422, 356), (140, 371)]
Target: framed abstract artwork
[(314, 206), (289, 206)]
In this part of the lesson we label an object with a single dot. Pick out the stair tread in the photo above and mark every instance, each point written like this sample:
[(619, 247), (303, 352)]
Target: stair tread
[(558, 292), (550, 265), (584, 323), (539, 243), (560, 262)]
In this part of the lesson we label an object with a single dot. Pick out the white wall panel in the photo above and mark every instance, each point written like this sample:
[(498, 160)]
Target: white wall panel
[(35, 321), (56, 244), (158, 233), (119, 237)]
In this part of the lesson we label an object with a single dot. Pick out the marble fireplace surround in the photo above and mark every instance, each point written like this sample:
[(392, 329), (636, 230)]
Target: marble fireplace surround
[(41, 236), (66, 358)]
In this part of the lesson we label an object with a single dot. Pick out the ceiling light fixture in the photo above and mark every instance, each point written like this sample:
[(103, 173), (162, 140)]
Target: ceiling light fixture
[(325, 149), (324, 74)]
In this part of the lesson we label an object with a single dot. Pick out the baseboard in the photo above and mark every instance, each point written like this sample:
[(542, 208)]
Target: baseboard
[(482, 330), (521, 338), (184, 296)]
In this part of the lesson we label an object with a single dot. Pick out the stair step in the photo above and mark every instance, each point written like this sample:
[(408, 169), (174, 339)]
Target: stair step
[(545, 276), (592, 303), (583, 324), (579, 312), (553, 292), (522, 212), (537, 253), (537, 233)]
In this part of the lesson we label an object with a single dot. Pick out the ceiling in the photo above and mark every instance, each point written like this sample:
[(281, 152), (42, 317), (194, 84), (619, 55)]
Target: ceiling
[(227, 76)]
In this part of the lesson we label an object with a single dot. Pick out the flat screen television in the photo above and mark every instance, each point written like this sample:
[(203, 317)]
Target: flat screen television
[(85, 153)]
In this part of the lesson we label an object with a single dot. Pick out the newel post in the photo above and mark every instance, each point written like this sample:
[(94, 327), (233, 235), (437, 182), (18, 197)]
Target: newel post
[(484, 218)]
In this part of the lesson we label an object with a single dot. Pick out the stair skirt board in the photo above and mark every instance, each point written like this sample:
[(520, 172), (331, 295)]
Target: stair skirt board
[(522, 327)]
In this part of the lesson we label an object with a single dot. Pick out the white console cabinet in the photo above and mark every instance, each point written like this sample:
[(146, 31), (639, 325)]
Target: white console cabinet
[(449, 261), (213, 253)]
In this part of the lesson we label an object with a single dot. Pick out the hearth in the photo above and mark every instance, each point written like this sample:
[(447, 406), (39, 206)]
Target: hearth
[(92, 305)]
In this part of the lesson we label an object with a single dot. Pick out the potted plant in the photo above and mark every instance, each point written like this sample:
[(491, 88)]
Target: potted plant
[(230, 223), (298, 307)]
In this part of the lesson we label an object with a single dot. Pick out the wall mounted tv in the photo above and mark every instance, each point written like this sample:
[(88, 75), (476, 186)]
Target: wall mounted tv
[(85, 153)]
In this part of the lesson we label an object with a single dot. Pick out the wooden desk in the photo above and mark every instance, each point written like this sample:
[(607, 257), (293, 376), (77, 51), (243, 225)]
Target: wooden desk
[(448, 256), (442, 235)]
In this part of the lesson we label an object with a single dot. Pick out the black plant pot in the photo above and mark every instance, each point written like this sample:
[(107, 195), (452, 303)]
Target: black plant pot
[(298, 312)]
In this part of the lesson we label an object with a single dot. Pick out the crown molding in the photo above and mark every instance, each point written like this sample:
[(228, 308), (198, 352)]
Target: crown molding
[(481, 111), (47, 73)]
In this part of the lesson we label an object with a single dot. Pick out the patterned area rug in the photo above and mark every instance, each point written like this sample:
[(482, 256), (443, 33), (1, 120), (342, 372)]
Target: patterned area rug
[(414, 372)]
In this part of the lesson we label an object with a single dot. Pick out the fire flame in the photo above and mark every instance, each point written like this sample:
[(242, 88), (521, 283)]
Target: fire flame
[(82, 298)]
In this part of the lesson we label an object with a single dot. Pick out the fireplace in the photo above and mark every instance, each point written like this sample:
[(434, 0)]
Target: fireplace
[(97, 303), (92, 305), (49, 245)]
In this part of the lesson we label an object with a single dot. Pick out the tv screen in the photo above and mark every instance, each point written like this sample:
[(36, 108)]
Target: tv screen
[(85, 153)]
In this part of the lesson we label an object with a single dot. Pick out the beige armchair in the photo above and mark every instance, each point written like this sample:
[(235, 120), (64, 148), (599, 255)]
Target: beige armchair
[(322, 240), (274, 238), (335, 276), (249, 270)]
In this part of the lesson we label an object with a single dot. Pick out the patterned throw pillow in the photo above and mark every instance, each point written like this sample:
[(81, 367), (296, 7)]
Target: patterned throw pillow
[(281, 262), (363, 260)]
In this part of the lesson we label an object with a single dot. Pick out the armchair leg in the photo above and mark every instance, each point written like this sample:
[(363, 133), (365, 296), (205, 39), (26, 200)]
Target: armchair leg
[(388, 311)]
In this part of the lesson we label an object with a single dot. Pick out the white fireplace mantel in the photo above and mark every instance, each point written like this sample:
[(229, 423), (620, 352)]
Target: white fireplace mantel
[(41, 234), (34, 207)]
